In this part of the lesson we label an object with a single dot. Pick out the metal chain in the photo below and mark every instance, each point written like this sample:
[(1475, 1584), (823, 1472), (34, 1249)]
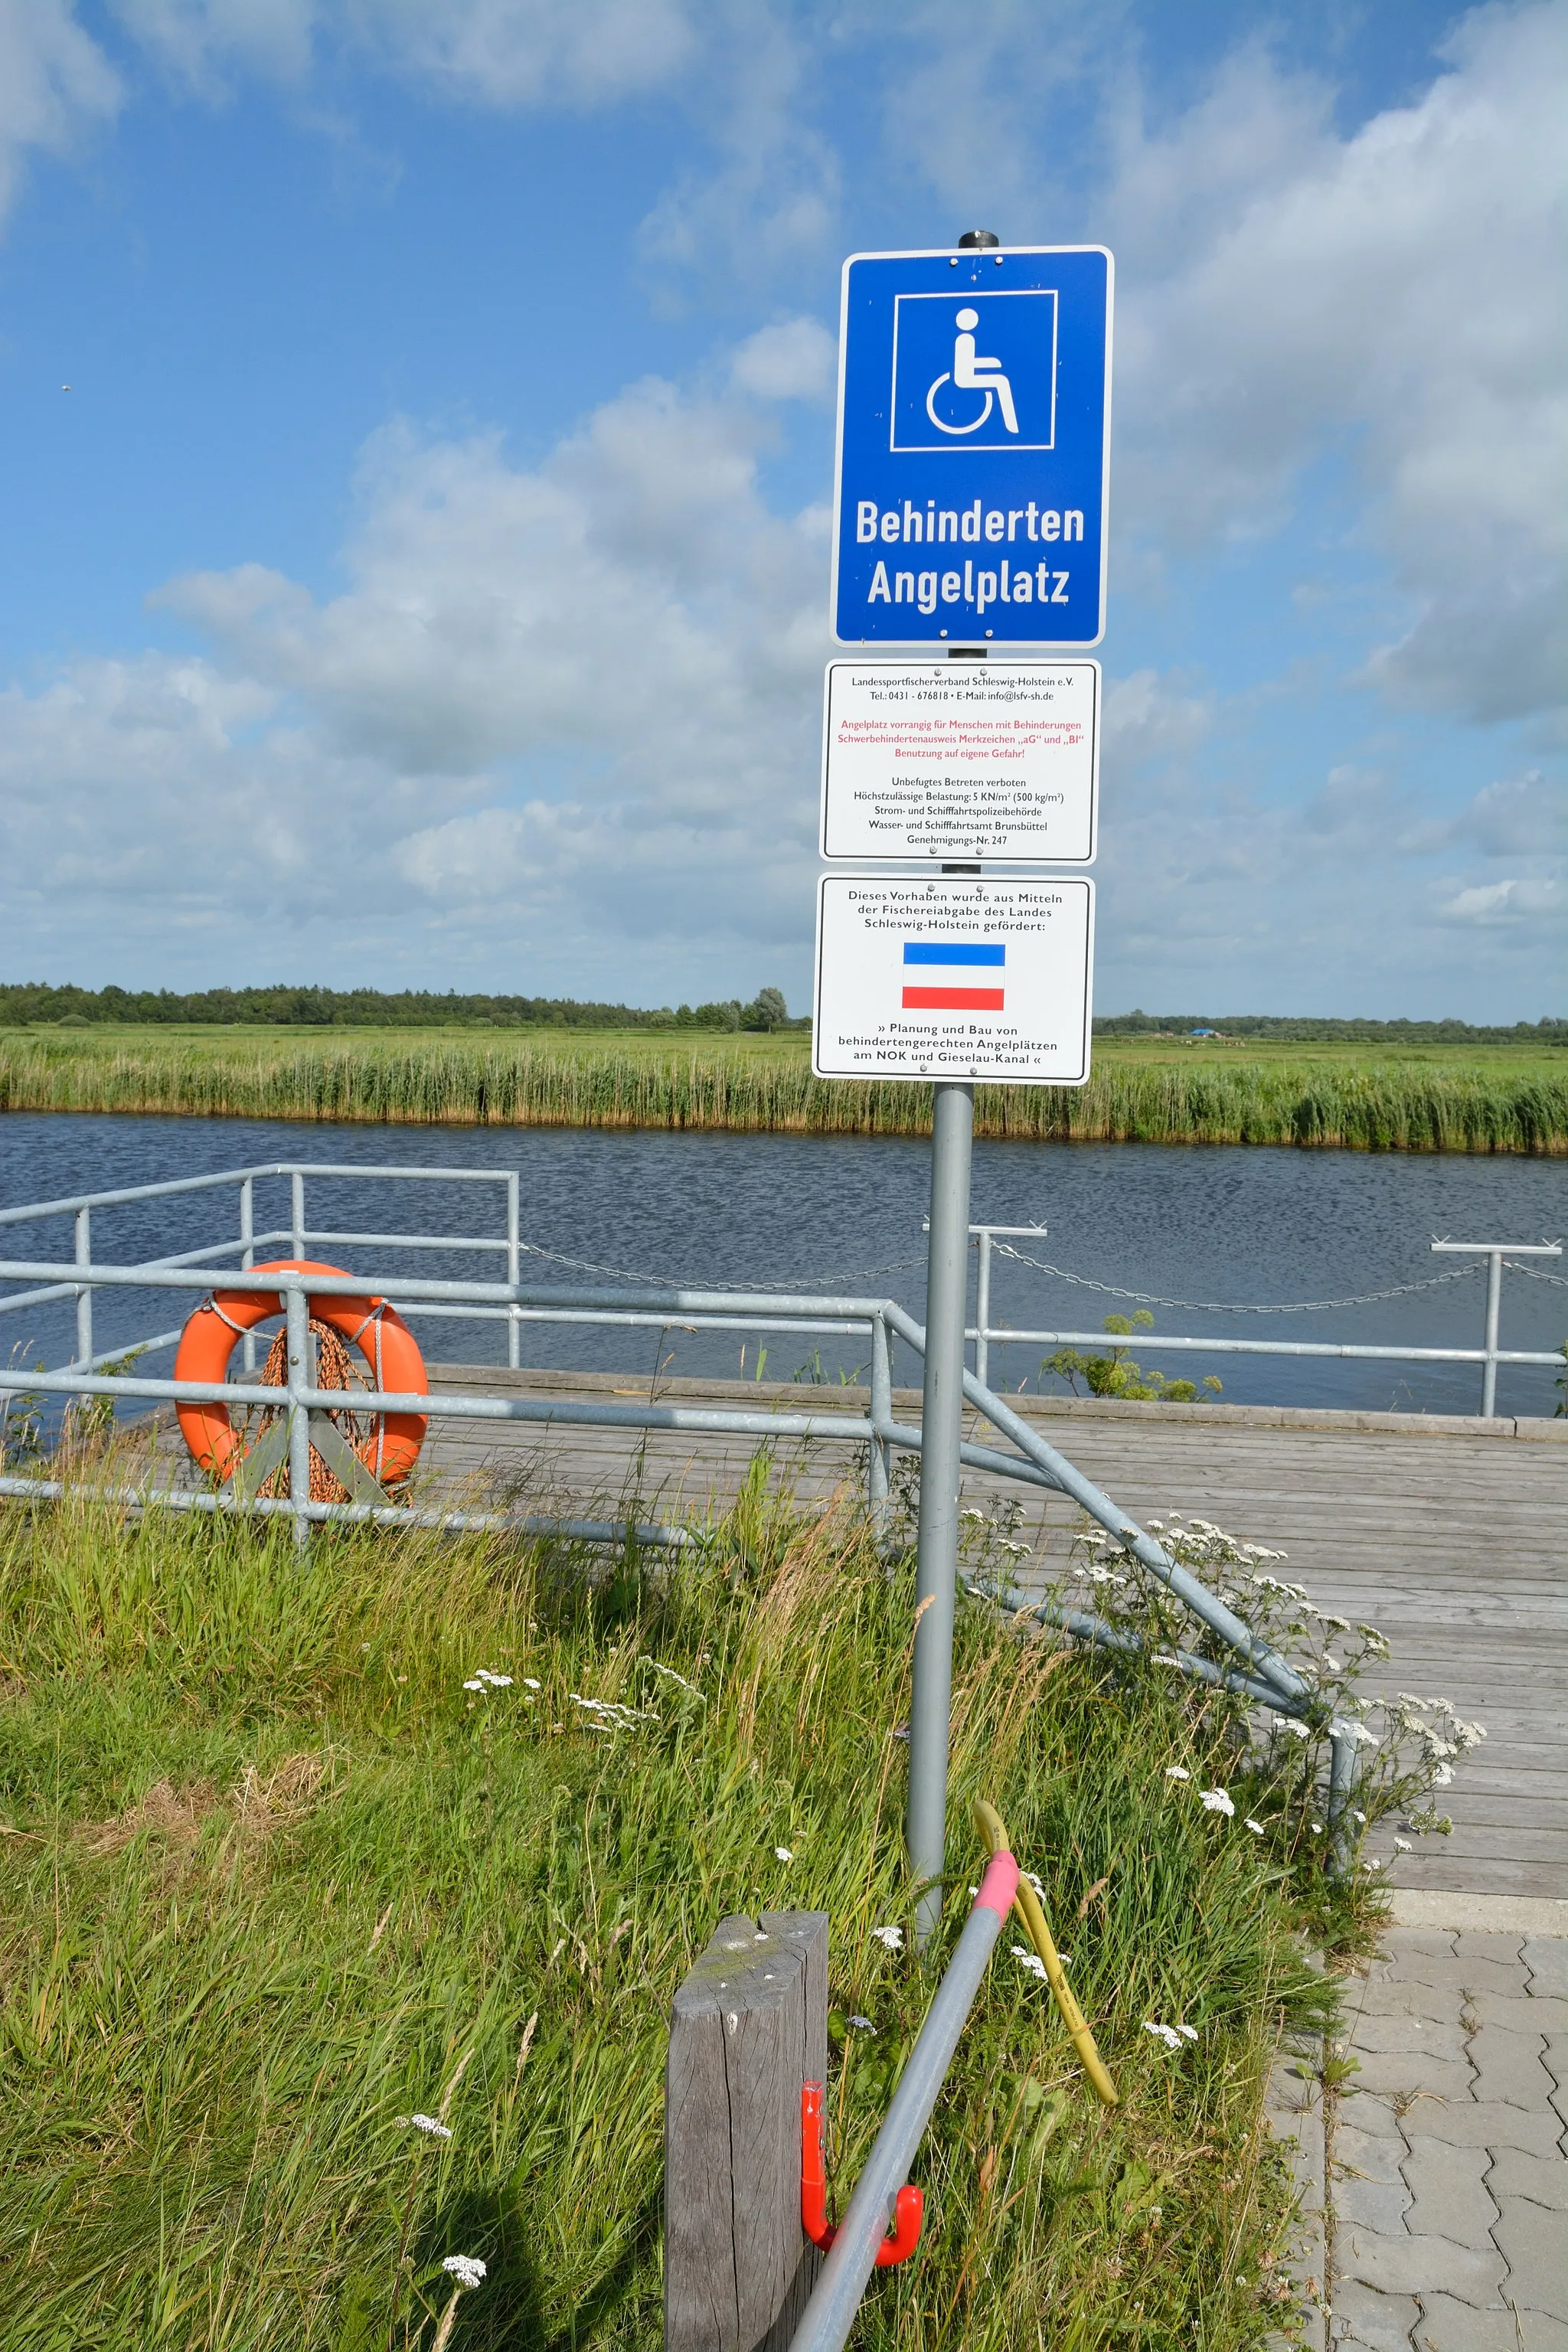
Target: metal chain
[(758, 1282), (1224, 1306), (1531, 1275)]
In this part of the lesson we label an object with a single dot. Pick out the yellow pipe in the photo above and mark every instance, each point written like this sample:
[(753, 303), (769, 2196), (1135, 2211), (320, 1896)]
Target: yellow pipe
[(1026, 1902)]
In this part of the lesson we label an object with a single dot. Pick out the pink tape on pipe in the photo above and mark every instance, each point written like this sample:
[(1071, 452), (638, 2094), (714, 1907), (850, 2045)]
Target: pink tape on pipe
[(999, 1885)]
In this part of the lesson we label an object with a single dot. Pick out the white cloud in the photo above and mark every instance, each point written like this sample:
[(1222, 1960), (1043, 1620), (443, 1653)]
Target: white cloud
[(55, 84), (795, 360), (561, 717), (1392, 300), (499, 52), (1514, 901)]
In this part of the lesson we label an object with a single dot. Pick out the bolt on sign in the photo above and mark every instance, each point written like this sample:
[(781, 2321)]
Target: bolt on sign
[(943, 977), (962, 760)]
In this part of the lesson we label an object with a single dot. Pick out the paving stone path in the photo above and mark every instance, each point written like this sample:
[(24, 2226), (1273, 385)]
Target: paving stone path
[(1448, 2152)]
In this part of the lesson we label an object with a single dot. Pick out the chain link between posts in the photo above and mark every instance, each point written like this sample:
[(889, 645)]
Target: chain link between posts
[(1224, 1306)]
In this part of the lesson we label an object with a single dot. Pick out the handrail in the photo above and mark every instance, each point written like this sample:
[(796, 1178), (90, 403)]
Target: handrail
[(830, 2313)]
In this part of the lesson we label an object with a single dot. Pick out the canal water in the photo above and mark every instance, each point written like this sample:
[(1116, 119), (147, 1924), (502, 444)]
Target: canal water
[(1218, 1227)]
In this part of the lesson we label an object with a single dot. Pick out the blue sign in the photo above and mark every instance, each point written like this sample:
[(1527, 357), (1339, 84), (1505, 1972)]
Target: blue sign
[(974, 446)]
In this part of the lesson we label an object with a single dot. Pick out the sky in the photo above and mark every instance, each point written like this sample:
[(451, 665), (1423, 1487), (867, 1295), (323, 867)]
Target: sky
[(423, 581)]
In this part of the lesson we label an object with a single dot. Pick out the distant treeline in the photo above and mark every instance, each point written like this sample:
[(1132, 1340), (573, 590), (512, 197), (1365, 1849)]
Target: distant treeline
[(369, 1008), (1306, 1029)]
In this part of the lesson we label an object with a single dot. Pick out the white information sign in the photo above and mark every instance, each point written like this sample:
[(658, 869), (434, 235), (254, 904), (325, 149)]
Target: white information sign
[(994, 759), (949, 978)]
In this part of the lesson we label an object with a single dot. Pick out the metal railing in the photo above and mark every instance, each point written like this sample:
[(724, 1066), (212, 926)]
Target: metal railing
[(986, 1334), (1019, 1454)]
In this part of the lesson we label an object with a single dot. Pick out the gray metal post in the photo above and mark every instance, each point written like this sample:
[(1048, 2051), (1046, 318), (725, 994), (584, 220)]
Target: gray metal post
[(302, 1374), (84, 1295), (1341, 1786), (983, 1310), (941, 1430), (513, 1265), (296, 1217), (248, 1256), (1494, 1304), (876, 1481)]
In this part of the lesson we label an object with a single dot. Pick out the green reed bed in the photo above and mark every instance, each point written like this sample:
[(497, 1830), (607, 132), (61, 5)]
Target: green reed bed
[(275, 1877), (1376, 1107)]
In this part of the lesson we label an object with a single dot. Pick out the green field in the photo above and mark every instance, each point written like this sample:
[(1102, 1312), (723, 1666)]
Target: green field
[(275, 1878), (1421, 1098)]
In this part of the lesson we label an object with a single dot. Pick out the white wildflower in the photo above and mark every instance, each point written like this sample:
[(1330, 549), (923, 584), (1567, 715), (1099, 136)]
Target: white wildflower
[(1403, 1845), (1317, 1828), (861, 2025), (1374, 1865), (467, 2269), (1177, 1772), (1036, 1883), (1444, 1777), (476, 1686), (1256, 1827), (893, 1938), (431, 2126), (1357, 1815), (1191, 2031), (1165, 2033), (659, 1668), (1296, 1728), (783, 1853), (533, 1683), (1030, 1960), (1217, 1801)]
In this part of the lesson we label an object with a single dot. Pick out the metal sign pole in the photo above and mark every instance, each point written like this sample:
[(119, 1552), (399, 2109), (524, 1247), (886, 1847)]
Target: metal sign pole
[(942, 1421)]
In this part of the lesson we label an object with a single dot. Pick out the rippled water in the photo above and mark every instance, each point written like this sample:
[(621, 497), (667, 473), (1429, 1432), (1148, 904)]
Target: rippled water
[(1258, 1226)]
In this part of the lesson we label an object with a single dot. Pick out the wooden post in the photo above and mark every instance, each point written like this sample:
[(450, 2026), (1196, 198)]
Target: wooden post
[(748, 2026)]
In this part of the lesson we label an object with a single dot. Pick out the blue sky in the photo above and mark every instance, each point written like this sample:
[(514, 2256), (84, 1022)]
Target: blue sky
[(424, 580)]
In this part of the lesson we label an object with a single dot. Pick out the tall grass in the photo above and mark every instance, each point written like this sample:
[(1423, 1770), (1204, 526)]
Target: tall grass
[(272, 1880), (1389, 1107)]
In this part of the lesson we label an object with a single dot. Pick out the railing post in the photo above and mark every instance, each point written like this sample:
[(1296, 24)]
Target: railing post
[(84, 1294), (941, 1430), (302, 1374), (747, 2028), (296, 1217), (513, 1267), (1342, 1747), (1494, 1306), (877, 1466), (983, 1312), (247, 1256)]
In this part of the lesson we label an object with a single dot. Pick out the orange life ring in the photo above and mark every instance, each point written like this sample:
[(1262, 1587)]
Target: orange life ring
[(376, 1330)]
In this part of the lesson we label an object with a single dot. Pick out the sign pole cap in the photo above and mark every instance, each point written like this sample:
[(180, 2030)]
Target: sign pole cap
[(977, 236)]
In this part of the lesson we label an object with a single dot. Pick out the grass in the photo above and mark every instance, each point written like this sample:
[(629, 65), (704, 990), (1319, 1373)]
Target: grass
[(1489, 1098), (272, 1880)]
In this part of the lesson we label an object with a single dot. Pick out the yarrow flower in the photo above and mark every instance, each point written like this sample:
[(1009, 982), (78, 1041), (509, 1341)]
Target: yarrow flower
[(1165, 2033), (1403, 1845), (1177, 1772), (892, 1938), (1256, 1827), (430, 2125), (1217, 1801), (784, 1853), (1030, 1960), (467, 2269)]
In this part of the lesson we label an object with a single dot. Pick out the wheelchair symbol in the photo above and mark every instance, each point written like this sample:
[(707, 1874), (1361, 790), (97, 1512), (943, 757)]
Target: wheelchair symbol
[(970, 374)]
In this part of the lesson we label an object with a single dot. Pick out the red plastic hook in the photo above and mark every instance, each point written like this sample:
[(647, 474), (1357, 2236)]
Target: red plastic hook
[(909, 2206)]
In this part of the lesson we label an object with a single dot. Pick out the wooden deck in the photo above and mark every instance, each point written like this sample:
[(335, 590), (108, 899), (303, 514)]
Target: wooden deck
[(1450, 1534)]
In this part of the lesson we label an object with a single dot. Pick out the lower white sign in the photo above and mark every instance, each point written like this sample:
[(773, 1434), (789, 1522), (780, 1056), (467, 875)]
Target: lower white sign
[(991, 758), (949, 978)]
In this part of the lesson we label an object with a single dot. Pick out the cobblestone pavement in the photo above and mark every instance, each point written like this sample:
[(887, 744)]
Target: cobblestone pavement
[(1448, 2149)]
